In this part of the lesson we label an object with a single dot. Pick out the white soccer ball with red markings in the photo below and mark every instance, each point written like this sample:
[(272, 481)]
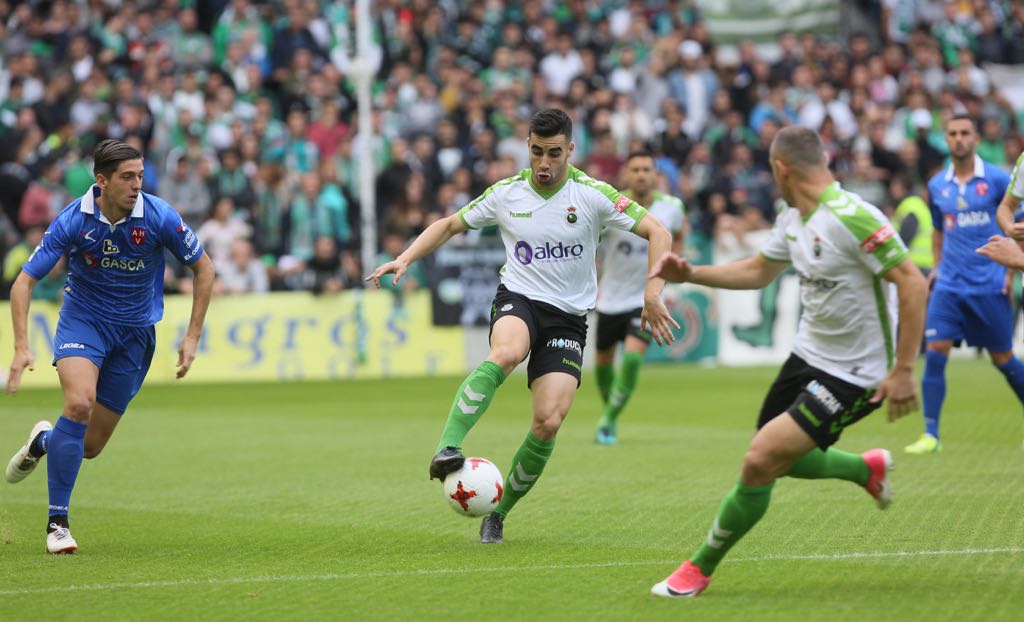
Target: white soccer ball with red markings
[(475, 489)]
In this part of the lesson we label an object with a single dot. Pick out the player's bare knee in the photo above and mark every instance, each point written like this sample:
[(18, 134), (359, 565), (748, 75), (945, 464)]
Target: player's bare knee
[(547, 428), (91, 452), (759, 467), (78, 407), (505, 357), (1000, 358)]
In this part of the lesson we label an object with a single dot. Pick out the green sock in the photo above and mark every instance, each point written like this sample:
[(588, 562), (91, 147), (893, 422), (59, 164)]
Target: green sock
[(622, 388), (527, 465), (604, 374), (831, 464), (739, 512), (471, 400)]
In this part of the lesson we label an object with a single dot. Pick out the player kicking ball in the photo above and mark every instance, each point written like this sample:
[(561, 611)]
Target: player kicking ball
[(114, 237), (550, 216), (843, 364)]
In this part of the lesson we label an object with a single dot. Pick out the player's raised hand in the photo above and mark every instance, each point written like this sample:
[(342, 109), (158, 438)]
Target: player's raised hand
[(186, 354), (671, 267), (21, 360), (899, 388), (394, 266), (655, 315)]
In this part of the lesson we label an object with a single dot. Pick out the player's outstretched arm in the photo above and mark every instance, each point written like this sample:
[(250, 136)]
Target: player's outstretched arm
[(750, 273), (432, 238), (203, 276), (21, 295), (898, 386), (655, 314)]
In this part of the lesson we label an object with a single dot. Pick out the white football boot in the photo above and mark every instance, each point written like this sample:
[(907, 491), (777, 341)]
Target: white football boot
[(59, 541), (22, 463)]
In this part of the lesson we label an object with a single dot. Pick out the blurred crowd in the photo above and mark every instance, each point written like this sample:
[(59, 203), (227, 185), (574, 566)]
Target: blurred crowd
[(246, 113)]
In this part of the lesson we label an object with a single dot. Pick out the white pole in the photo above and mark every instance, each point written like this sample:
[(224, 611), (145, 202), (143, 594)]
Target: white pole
[(363, 70)]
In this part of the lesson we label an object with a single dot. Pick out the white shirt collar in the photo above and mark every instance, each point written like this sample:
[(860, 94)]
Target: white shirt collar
[(88, 205), (979, 169)]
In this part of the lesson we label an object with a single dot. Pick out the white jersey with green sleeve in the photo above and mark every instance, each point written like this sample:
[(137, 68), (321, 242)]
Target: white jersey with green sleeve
[(1016, 187), (551, 236), (624, 258), (840, 252)]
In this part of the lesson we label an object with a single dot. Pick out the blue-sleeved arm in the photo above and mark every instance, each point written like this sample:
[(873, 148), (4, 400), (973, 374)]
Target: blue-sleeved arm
[(52, 247), (177, 237)]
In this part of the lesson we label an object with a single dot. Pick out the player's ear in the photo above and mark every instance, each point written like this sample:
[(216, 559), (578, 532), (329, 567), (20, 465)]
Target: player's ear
[(572, 146), (781, 168)]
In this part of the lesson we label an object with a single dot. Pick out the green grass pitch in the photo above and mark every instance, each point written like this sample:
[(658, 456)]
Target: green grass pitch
[(311, 501)]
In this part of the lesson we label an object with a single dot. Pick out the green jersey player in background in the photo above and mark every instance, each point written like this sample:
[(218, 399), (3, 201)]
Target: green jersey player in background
[(550, 217), (620, 292), (843, 363)]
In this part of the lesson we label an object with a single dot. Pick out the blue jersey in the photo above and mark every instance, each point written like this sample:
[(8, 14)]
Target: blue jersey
[(966, 216), (115, 271)]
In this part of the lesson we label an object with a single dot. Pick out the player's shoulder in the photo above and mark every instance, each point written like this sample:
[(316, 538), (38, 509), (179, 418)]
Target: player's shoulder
[(851, 212), (156, 209), (940, 178), (71, 210), (513, 181), (667, 198), (996, 173), (1018, 165), (594, 189)]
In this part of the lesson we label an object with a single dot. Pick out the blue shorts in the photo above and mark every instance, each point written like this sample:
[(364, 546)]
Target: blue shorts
[(983, 320), (123, 354)]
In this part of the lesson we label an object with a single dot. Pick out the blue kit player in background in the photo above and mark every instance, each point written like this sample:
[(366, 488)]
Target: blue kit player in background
[(114, 239), (970, 294)]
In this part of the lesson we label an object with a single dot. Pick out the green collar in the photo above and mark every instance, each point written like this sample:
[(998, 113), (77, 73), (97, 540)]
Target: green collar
[(547, 194)]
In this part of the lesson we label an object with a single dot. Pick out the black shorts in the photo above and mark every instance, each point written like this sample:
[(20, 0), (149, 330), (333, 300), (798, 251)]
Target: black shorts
[(822, 404), (557, 338), (615, 327)]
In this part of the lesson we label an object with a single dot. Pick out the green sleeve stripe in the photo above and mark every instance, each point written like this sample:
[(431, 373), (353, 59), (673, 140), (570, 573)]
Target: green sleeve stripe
[(874, 236), (634, 210), (462, 215), (486, 193), (637, 213), (776, 260), (1013, 176), (604, 188)]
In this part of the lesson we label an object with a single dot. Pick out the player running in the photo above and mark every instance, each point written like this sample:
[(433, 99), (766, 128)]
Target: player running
[(550, 217), (970, 295), (843, 363), (114, 237), (620, 293)]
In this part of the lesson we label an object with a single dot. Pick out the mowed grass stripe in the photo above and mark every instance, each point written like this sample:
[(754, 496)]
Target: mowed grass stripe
[(341, 576)]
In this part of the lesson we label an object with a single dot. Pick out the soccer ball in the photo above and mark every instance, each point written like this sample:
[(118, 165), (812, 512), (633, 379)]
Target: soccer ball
[(475, 489)]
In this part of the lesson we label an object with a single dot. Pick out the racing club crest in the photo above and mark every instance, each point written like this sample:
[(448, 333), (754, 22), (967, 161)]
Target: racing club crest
[(981, 188), (138, 236)]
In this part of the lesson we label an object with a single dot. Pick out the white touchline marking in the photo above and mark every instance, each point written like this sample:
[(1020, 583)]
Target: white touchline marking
[(340, 576)]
